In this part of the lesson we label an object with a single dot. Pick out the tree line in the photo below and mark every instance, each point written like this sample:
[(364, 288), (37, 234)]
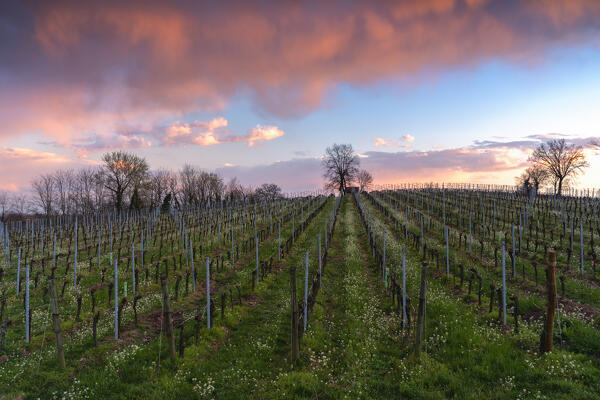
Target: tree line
[(123, 182)]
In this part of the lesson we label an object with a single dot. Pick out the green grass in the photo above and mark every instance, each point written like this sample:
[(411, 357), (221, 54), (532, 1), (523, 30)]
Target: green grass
[(354, 347)]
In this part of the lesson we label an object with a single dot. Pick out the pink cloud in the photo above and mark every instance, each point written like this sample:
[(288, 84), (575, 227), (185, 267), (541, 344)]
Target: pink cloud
[(86, 67), (262, 133), (407, 139), (19, 165), (216, 132), (199, 133)]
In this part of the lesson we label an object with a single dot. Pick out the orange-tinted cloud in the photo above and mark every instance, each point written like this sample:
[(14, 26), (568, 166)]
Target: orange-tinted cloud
[(199, 133), (262, 133), (89, 67), (407, 139), (19, 165)]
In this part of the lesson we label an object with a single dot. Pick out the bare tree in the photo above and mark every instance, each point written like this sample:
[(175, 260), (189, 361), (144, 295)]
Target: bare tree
[(365, 179), (20, 204), (199, 187), (538, 176), (159, 186), (4, 205), (63, 181), (215, 187), (43, 186), (523, 181), (268, 192), (340, 165), (85, 185), (189, 177), (122, 171), (533, 177), (234, 190), (561, 160)]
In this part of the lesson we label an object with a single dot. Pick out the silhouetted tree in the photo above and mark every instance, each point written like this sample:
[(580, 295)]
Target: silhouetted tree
[(122, 171), (340, 165), (166, 204), (560, 159), (365, 179), (268, 192)]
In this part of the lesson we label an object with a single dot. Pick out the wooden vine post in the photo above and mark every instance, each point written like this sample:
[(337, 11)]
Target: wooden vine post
[(56, 325), (551, 307), (294, 305), (167, 318), (421, 312)]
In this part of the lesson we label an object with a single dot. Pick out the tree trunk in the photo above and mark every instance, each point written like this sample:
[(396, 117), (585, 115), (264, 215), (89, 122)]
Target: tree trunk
[(560, 183)]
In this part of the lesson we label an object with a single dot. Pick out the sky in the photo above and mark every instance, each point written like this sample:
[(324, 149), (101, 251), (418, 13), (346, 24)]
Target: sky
[(427, 91)]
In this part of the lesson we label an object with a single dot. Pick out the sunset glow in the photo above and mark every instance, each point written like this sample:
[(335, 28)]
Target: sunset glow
[(436, 90)]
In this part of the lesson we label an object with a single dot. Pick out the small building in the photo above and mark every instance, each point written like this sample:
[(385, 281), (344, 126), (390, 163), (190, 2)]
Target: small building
[(351, 189)]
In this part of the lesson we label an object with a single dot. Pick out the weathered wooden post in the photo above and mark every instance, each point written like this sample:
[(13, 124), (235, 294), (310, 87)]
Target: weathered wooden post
[(421, 312), (503, 284), (546, 342), (515, 299), (294, 312), (383, 277), (447, 253), (470, 235), (403, 286), (256, 245), (208, 321), (320, 261), (581, 245), (95, 328), (132, 267), (116, 294), (193, 270), (167, 317), (514, 257), (305, 289), (56, 325), (232, 246), (27, 317), (18, 271)]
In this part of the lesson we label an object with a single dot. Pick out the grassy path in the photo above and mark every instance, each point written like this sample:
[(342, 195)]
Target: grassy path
[(351, 341)]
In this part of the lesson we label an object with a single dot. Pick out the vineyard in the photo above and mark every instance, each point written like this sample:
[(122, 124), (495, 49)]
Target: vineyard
[(415, 291)]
